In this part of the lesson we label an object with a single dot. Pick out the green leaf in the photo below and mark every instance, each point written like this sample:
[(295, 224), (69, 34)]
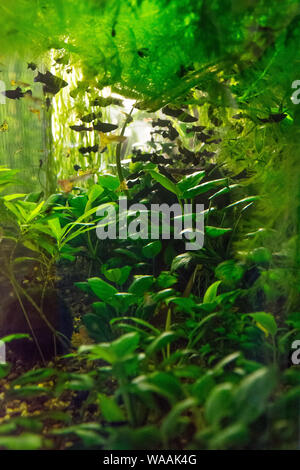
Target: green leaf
[(110, 182), (224, 191), (215, 232), (9, 338), (170, 424), (252, 394), (11, 197), (203, 188), (165, 279), (79, 382), (25, 441), (125, 345), (190, 181), (235, 435), (34, 376), (225, 361), (164, 181), (84, 287), (203, 386), (152, 249), (246, 200), (141, 284), (109, 409), (4, 370), (229, 271), (35, 212), (219, 403), (260, 255), (94, 192), (265, 321), (121, 301), (211, 293), (102, 289), (55, 226), (98, 328), (161, 342), (113, 275)]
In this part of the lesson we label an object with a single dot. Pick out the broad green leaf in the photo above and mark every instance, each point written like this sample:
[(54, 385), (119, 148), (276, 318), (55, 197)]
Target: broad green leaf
[(190, 181), (152, 249), (98, 328), (203, 188), (110, 182), (161, 342), (266, 322), (170, 423), (35, 212), (219, 403), (141, 284), (55, 226), (252, 394), (203, 386), (125, 345), (224, 191), (11, 197), (9, 338), (164, 181), (94, 192), (34, 376), (109, 409), (23, 442), (246, 200), (232, 436), (215, 232), (211, 293), (165, 279), (229, 271), (102, 289)]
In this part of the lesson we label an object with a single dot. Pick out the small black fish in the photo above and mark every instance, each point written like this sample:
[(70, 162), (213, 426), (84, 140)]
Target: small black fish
[(143, 52), (161, 123), (85, 150), (195, 129), (103, 102), (206, 153), (80, 128), (187, 153), (31, 66), (202, 136), (239, 116), (91, 117), (113, 32), (160, 159), (179, 114), (277, 117), (14, 94), (77, 167), (184, 70), (142, 157), (52, 84), (48, 103), (173, 134), (105, 127), (132, 182)]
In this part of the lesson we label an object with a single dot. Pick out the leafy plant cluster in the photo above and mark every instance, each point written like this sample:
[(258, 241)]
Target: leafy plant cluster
[(184, 354)]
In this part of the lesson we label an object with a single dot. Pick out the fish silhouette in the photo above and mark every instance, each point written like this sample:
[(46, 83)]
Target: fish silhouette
[(80, 128), (104, 127), (85, 150), (52, 84)]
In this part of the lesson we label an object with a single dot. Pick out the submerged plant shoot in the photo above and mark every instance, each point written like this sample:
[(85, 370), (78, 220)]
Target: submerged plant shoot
[(149, 230)]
